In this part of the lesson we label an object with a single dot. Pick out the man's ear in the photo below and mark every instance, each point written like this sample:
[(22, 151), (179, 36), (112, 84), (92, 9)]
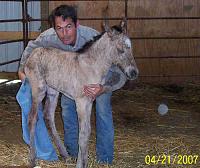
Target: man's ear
[(77, 23)]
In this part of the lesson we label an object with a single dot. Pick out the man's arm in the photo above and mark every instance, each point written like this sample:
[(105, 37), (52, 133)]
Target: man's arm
[(114, 80)]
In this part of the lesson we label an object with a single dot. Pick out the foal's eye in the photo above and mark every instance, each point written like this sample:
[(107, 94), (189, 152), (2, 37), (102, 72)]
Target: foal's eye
[(121, 51), (128, 43)]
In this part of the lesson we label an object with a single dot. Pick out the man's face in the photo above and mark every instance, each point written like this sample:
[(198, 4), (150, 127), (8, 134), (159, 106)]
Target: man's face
[(66, 30)]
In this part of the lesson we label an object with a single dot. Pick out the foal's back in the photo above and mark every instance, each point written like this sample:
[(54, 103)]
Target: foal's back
[(61, 70)]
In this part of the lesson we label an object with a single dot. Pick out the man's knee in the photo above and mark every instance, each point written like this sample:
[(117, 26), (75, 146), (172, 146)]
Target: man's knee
[(103, 104)]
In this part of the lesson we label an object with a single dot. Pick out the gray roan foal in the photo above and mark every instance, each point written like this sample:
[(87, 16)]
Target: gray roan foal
[(51, 71)]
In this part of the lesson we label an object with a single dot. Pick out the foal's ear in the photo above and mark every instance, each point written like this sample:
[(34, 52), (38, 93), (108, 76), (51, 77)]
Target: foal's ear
[(123, 25), (107, 28), (105, 21)]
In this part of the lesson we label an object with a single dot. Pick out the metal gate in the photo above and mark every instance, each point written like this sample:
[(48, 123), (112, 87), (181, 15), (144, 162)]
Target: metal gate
[(15, 28)]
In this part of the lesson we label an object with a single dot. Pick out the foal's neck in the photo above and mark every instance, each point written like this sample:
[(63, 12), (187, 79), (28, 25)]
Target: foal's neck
[(101, 50), (101, 54)]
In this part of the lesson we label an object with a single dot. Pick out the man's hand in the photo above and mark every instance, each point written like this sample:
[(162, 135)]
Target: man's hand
[(21, 75), (93, 90)]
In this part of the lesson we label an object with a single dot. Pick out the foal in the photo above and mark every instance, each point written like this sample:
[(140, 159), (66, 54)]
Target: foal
[(51, 71)]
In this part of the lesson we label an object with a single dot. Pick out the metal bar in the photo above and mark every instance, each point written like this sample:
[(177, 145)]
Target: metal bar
[(8, 62), (11, 20), (25, 23), (26, 14), (10, 41), (126, 14), (167, 76), (155, 38), (99, 18), (119, 18), (160, 18), (74, 0), (168, 57), (13, 0), (126, 9), (164, 38)]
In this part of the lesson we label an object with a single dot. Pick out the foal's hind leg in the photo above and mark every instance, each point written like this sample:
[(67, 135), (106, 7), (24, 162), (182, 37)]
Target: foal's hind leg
[(32, 118), (49, 113), (38, 93)]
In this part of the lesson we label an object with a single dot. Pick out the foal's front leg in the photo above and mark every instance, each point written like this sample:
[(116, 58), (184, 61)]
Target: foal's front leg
[(84, 107), (49, 115)]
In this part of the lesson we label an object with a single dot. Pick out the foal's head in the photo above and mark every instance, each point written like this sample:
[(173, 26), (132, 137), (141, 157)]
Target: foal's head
[(122, 50)]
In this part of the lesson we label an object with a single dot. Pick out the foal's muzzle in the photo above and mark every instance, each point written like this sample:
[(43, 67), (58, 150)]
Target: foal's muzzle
[(131, 73)]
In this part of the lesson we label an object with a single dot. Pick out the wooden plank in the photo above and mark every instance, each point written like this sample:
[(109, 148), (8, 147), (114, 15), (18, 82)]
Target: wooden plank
[(166, 47), (169, 67), (8, 75), (44, 14), (148, 67), (168, 80), (163, 8), (14, 35), (164, 28), (93, 9), (97, 24)]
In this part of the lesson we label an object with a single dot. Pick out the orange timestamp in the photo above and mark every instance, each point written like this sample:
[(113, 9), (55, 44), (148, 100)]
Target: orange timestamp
[(169, 160)]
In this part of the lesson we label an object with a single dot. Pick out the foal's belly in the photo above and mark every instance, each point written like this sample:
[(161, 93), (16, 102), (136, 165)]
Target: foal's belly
[(71, 82)]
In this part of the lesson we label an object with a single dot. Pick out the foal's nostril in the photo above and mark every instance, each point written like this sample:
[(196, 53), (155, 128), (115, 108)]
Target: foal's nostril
[(133, 73)]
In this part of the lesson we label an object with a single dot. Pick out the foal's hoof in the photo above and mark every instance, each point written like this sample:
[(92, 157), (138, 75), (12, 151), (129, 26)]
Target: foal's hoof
[(63, 157), (32, 163), (71, 161)]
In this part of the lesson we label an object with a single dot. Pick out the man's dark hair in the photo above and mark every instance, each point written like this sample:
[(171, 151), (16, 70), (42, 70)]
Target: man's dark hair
[(64, 11)]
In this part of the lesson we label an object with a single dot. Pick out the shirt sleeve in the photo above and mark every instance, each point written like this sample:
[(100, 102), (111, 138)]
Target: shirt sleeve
[(39, 42), (88, 33)]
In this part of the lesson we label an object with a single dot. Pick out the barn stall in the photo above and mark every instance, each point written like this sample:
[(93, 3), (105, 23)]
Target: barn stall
[(165, 37)]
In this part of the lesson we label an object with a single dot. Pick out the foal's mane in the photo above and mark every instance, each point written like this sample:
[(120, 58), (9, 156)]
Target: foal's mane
[(87, 45)]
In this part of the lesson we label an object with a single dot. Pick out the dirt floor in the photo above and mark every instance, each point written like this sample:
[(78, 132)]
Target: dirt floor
[(143, 138)]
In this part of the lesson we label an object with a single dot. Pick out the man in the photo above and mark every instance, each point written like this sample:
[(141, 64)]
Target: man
[(68, 35)]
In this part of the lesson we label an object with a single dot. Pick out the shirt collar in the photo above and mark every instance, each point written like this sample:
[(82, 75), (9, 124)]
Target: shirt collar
[(77, 38)]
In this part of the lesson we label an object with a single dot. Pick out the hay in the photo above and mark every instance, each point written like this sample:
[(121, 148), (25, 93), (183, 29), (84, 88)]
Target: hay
[(139, 129)]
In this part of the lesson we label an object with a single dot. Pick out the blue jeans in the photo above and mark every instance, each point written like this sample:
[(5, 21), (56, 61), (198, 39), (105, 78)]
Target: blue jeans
[(44, 149), (104, 127)]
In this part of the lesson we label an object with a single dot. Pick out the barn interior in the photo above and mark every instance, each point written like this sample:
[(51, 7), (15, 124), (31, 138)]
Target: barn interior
[(165, 39)]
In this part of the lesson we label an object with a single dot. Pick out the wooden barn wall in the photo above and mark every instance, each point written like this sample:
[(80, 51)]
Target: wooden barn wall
[(165, 34)]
